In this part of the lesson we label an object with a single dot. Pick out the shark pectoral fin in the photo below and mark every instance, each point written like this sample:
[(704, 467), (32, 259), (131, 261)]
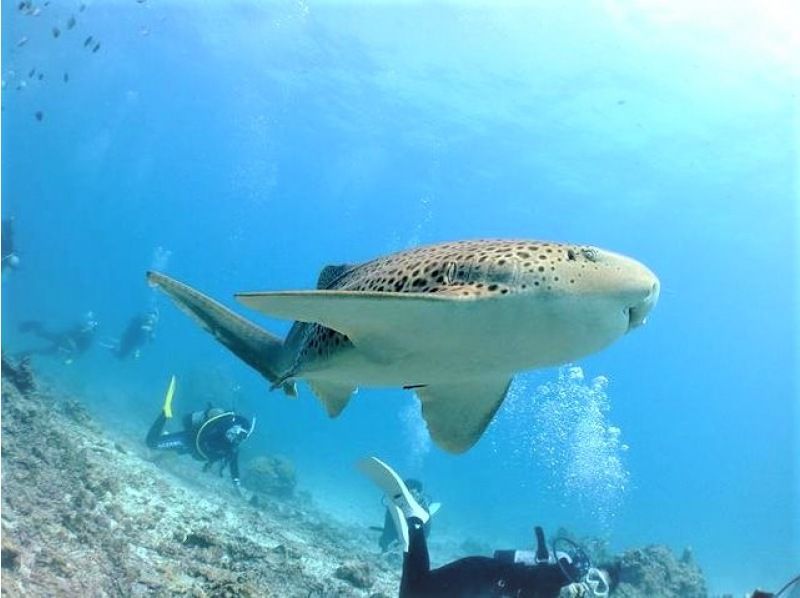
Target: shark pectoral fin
[(378, 320), (457, 414), (334, 396)]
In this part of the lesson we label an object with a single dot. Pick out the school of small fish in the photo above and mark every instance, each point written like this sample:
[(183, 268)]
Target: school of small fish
[(59, 31)]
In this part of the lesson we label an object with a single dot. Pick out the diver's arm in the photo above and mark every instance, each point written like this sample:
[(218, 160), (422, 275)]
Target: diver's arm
[(234, 464)]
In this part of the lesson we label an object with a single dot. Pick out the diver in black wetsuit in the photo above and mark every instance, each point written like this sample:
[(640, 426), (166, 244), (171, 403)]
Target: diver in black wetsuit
[(140, 330), (212, 435), (519, 574), (10, 259), (66, 343)]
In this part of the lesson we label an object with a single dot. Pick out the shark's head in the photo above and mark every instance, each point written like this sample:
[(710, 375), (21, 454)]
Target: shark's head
[(618, 277), (626, 287)]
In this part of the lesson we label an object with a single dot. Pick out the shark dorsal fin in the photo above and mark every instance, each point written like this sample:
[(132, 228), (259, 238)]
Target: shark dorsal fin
[(329, 274)]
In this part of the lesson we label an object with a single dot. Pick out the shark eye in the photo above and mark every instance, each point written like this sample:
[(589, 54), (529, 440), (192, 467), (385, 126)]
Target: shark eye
[(590, 253)]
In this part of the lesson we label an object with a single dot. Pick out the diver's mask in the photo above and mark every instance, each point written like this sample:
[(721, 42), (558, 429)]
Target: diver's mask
[(89, 321), (150, 320), (237, 433)]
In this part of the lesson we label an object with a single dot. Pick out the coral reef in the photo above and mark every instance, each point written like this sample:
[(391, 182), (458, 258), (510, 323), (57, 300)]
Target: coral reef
[(358, 573), (596, 548), (20, 374), (272, 475), (86, 515), (654, 571)]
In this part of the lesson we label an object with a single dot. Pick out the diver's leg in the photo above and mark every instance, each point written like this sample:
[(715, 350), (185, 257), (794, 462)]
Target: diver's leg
[(416, 561), (36, 328), (400, 501), (156, 439), (389, 534), (156, 430), (177, 441), (471, 576), (484, 576), (154, 436), (409, 519), (32, 326), (49, 350)]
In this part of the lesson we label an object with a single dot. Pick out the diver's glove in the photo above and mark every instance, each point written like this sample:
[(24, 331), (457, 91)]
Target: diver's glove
[(597, 583), (594, 585), (575, 590)]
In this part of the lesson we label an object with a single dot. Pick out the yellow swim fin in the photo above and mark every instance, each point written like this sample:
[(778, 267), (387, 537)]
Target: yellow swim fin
[(168, 399)]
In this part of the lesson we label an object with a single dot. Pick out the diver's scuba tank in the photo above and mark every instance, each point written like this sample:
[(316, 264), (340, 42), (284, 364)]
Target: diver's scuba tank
[(527, 557)]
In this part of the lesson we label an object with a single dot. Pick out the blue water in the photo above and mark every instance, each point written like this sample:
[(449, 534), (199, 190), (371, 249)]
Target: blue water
[(256, 142)]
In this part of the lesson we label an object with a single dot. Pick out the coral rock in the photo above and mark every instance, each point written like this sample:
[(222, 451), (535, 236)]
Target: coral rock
[(271, 475), (654, 571), (356, 573)]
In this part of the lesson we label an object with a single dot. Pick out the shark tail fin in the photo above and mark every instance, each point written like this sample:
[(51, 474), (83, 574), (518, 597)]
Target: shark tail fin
[(255, 346)]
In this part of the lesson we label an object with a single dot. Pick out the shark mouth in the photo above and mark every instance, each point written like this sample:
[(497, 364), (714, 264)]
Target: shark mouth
[(637, 314)]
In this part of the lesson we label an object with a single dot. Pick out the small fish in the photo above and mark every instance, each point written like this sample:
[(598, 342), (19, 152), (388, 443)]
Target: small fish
[(3, 84), (22, 85), (66, 77), (39, 115), (56, 31), (87, 41), (41, 76), (82, 7), (71, 22), (32, 72), (22, 41), (96, 47)]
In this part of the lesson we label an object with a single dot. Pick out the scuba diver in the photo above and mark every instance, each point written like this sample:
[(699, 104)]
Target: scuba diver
[(140, 330), (9, 256), (564, 570), (389, 531), (212, 435), (67, 343)]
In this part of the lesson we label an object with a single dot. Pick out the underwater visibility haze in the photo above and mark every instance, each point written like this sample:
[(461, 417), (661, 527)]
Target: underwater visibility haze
[(242, 147)]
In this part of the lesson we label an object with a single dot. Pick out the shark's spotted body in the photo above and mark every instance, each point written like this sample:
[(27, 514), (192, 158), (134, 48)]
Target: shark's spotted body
[(454, 321)]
